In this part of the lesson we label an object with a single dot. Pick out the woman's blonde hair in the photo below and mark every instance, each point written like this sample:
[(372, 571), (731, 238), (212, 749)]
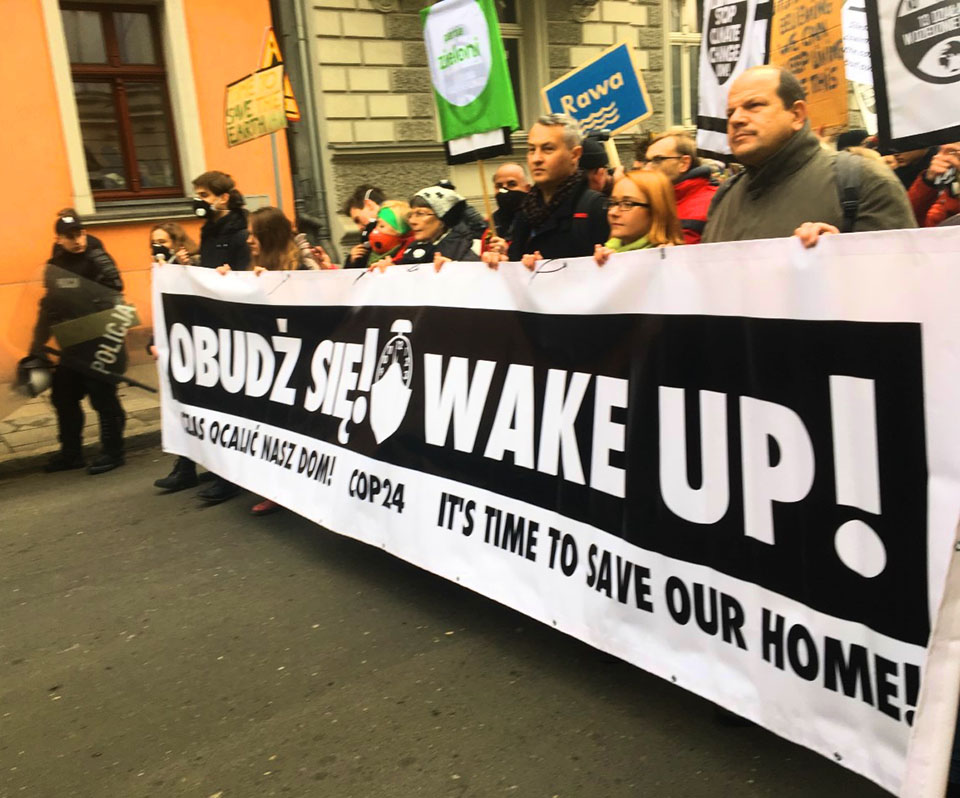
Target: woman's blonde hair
[(664, 223), (401, 210)]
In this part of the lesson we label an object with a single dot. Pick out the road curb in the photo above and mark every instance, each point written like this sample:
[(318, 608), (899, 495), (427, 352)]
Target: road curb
[(34, 461)]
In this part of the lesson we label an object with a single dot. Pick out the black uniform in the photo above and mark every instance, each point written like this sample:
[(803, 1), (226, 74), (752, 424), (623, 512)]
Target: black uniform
[(79, 285)]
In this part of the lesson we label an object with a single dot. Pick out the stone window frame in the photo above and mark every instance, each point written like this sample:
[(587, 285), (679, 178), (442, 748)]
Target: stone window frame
[(183, 101), (687, 37), (530, 31)]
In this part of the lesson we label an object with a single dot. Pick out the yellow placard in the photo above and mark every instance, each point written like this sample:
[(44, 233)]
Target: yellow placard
[(255, 106), (807, 38), (271, 56)]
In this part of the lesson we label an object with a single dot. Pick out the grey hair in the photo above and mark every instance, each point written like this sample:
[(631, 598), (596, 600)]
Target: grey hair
[(572, 135)]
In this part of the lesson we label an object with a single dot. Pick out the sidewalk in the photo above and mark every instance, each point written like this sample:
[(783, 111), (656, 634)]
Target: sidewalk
[(28, 434)]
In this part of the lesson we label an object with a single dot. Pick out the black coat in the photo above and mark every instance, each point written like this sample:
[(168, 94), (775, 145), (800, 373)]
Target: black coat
[(456, 244), (224, 241), (361, 263), (577, 225)]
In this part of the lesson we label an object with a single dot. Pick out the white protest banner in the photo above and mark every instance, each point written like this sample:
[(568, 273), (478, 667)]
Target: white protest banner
[(915, 51), (736, 466), (867, 105), (856, 43), (735, 38)]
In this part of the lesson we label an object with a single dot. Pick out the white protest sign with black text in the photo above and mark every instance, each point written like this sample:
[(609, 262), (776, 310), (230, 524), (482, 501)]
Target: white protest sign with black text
[(734, 39), (915, 50), (730, 465), (856, 43)]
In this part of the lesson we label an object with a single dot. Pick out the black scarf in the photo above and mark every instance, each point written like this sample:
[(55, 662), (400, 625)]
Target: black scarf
[(537, 211)]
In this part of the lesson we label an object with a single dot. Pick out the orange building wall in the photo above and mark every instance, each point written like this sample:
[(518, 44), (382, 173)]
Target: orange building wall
[(36, 175)]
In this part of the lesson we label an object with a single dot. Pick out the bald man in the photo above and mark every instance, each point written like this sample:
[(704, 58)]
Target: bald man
[(790, 183), (511, 186)]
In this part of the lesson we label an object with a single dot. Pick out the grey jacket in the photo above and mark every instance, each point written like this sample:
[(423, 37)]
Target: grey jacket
[(798, 184)]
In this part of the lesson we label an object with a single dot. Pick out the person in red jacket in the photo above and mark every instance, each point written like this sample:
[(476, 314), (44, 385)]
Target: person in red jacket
[(674, 153), (935, 193)]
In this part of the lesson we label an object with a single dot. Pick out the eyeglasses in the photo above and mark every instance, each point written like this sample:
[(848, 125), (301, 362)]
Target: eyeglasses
[(625, 204), (656, 160), (420, 214)]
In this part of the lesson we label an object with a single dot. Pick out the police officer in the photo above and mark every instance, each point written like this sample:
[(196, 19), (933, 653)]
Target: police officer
[(81, 280)]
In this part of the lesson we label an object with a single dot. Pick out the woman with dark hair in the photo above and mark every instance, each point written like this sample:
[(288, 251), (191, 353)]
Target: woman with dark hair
[(437, 235), (275, 247), (642, 212), (223, 242), (169, 243)]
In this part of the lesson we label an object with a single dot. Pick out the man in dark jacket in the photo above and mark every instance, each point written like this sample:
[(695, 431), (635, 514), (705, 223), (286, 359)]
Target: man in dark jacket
[(790, 186), (595, 165), (511, 186), (561, 217), (362, 206), (83, 286), (223, 242), (674, 153)]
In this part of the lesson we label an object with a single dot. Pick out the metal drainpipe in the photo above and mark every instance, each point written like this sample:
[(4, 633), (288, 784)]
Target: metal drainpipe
[(313, 133)]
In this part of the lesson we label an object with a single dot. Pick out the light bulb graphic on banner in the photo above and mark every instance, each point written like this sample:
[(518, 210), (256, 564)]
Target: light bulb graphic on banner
[(391, 389)]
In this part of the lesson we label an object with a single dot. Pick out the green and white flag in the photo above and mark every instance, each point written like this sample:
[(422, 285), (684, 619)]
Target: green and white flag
[(468, 66)]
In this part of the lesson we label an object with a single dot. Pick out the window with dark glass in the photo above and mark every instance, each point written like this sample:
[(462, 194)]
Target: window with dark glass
[(120, 86)]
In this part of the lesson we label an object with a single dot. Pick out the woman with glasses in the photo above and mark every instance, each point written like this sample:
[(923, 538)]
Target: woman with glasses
[(438, 236), (642, 213)]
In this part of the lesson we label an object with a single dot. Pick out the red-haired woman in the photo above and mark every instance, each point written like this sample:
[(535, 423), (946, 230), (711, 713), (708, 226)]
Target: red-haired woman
[(642, 211)]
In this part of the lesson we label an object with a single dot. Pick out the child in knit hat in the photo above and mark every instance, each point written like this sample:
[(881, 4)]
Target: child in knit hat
[(392, 233)]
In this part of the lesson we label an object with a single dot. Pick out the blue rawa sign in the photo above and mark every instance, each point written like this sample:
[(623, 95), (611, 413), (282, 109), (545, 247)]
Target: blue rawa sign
[(606, 93)]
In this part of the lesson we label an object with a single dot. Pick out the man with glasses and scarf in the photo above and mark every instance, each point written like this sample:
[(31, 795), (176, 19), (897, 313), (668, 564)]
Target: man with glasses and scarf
[(674, 154), (561, 217)]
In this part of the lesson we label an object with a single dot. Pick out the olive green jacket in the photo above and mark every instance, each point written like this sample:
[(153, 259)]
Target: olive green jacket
[(799, 184)]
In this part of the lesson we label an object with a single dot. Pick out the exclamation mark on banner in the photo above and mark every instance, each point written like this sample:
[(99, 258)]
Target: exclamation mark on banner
[(911, 690), (853, 415), (333, 462), (365, 380)]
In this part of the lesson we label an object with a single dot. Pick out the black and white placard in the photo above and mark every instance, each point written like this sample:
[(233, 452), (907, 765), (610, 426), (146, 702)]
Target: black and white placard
[(915, 51), (735, 38), (736, 466)]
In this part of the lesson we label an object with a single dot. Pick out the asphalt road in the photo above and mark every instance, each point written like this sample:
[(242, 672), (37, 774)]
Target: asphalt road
[(150, 646)]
